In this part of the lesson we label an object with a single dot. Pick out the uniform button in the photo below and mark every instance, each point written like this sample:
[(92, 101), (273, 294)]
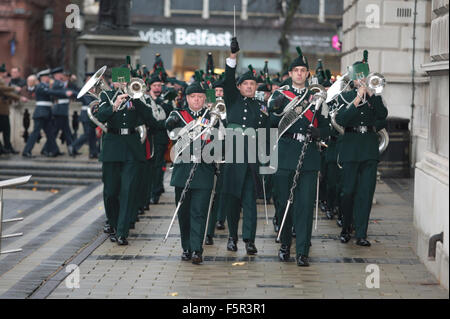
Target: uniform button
[(259, 122), (124, 123), (245, 110), (361, 122), (260, 115), (244, 118), (124, 114), (243, 125)]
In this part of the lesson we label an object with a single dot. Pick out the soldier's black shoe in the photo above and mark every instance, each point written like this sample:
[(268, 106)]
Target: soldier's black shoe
[(284, 253), (70, 150), (345, 237), (209, 240), (132, 226), (329, 214), (220, 225), (186, 255), (339, 222), (107, 229), (323, 206), (362, 242), (138, 219), (197, 258), (276, 228), (27, 154), (10, 150), (51, 154), (147, 207), (154, 200), (45, 153), (141, 211), (293, 232), (122, 241), (112, 237), (92, 156), (231, 245), (302, 261), (251, 248)]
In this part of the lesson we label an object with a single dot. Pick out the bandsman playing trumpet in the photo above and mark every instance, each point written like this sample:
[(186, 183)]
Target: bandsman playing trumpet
[(362, 116), (121, 153)]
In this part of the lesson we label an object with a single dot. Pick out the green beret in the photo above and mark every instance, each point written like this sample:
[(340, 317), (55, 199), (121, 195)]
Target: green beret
[(299, 61), (249, 75), (195, 87)]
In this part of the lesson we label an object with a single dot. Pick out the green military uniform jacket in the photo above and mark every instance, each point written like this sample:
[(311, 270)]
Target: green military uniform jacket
[(289, 149), (204, 174), (160, 111), (245, 113), (358, 147), (115, 147)]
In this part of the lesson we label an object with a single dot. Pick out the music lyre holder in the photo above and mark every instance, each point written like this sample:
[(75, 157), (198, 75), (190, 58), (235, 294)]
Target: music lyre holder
[(4, 184)]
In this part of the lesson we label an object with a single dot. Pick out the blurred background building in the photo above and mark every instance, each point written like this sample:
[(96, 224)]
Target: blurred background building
[(183, 32)]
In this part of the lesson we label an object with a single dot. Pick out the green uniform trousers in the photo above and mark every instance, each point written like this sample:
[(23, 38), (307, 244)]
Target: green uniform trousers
[(358, 186), (302, 209), (120, 185), (217, 213), (192, 217), (142, 188), (157, 187), (323, 177), (233, 206), (332, 181)]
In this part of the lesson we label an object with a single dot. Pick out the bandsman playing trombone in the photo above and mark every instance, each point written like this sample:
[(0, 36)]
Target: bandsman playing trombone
[(314, 124)]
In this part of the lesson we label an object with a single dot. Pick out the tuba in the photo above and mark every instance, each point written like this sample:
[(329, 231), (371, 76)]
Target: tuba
[(96, 84)]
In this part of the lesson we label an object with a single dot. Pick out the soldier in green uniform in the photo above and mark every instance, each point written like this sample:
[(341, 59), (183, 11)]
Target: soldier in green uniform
[(363, 114), (121, 151), (241, 184), (289, 149), (160, 139), (194, 208)]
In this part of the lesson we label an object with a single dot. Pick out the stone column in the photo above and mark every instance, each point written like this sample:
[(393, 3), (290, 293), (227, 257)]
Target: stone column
[(385, 29), (431, 201)]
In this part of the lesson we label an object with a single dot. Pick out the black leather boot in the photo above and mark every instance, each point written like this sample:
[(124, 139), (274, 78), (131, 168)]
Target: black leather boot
[(231, 245)]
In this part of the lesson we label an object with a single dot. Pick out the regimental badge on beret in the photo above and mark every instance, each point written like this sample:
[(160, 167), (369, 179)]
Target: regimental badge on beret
[(304, 59), (298, 109)]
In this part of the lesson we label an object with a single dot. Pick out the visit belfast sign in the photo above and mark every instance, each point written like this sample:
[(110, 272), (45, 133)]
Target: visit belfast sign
[(182, 36)]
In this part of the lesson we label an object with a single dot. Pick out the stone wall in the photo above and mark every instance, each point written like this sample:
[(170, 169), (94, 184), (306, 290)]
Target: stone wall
[(16, 119), (385, 29), (431, 203)]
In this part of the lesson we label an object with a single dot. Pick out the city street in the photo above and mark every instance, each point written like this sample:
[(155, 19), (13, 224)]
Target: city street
[(64, 227)]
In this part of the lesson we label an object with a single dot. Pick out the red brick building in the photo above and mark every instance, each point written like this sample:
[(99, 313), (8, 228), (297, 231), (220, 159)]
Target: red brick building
[(21, 21)]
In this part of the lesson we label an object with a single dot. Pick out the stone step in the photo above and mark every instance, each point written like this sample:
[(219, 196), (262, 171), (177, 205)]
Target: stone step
[(57, 174), (39, 181)]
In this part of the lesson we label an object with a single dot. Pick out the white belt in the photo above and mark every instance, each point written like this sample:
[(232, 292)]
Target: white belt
[(84, 108), (63, 101), (44, 103)]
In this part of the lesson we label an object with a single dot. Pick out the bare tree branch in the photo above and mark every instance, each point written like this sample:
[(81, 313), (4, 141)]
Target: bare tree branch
[(287, 9)]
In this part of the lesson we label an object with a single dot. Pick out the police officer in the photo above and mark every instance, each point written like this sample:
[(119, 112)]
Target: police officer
[(362, 116), (43, 113), (194, 208), (241, 184), (289, 149), (89, 134)]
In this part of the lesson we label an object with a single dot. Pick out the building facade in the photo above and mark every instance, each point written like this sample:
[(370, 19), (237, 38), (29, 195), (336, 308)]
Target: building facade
[(431, 201), (407, 42), (183, 32), (23, 41)]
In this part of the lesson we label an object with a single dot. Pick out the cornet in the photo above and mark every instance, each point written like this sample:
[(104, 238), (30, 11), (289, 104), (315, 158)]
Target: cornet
[(135, 90)]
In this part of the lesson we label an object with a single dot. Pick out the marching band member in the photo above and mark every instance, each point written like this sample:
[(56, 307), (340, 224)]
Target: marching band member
[(242, 184), (193, 211), (289, 150), (363, 115)]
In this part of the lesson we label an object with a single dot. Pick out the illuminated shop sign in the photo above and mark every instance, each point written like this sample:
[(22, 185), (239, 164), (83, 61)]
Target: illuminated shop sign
[(181, 36)]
